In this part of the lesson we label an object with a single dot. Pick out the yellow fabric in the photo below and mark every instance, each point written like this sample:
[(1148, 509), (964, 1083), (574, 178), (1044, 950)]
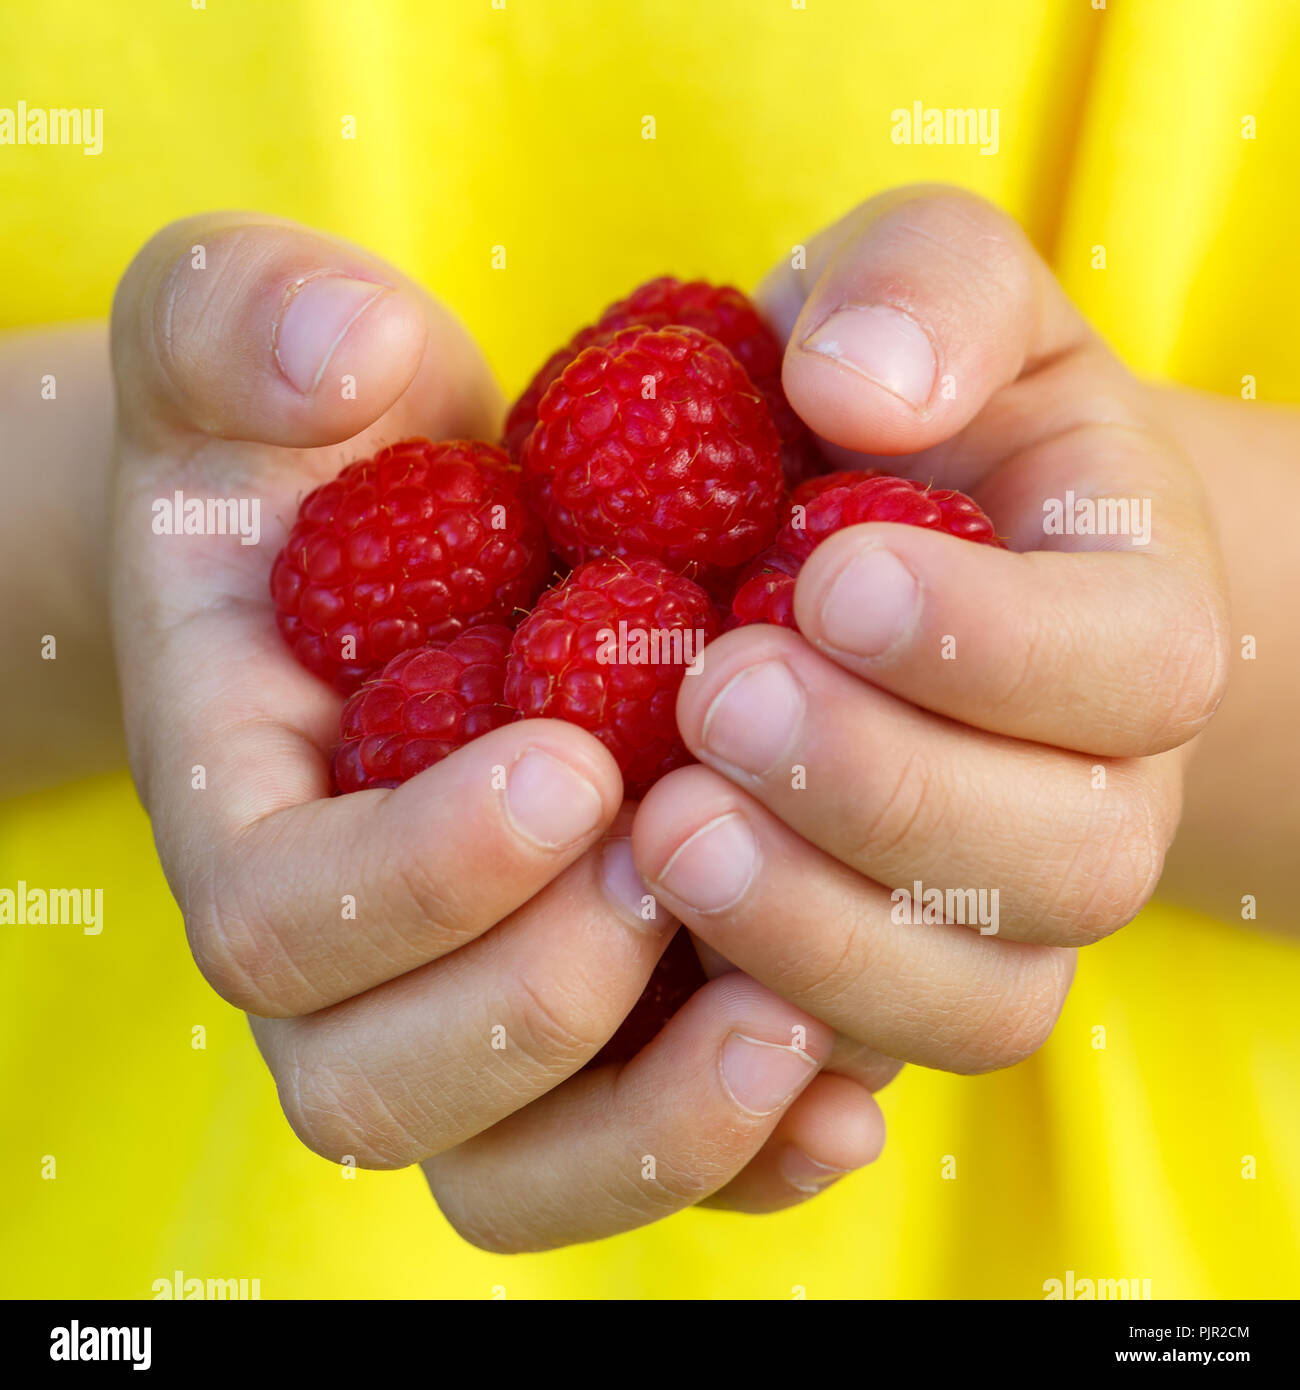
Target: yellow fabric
[(521, 127)]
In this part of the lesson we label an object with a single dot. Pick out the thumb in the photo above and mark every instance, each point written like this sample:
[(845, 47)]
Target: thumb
[(245, 327), (911, 313)]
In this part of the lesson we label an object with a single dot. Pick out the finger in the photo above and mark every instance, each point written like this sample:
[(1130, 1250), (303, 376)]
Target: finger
[(247, 327), (832, 943), (616, 1148), (307, 903), (834, 1128), (1108, 653), (1113, 653), (184, 603), (911, 312), (853, 1060), (428, 1060), (225, 730), (856, 1062), (901, 795)]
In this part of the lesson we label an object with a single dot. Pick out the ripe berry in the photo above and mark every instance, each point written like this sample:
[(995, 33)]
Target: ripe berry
[(411, 546), (423, 705), (765, 593), (607, 650), (814, 487), (722, 312), (656, 444), (522, 416)]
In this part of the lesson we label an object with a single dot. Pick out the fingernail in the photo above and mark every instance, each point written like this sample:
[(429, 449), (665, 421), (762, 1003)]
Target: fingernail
[(714, 868), (627, 890), (753, 718), (549, 802), (314, 320), (763, 1076), (804, 1173), (883, 345), (871, 605)]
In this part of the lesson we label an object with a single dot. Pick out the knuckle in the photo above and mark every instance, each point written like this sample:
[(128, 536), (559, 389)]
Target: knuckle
[(341, 1115), (672, 1188), (132, 290), (1192, 679), (1115, 868), (1022, 1014), (184, 302), (837, 978), (913, 807), (959, 225), (476, 1229), (432, 903), (1020, 683), (186, 324), (235, 955), (237, 949), (551, 1028), (482, 1212)]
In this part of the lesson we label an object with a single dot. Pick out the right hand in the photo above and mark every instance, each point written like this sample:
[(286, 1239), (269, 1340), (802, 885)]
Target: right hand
[(480, 913)]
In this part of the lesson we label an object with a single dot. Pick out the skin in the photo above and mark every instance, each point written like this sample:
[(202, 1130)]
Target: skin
[(483, 907)]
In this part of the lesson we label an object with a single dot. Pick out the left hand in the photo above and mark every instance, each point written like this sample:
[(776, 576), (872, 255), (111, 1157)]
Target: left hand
[(1042, 757)]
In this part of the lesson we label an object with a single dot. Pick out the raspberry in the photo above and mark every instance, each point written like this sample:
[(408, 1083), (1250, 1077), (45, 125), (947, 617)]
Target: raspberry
[(881, 497), (814, 487), (607, 650), (423, 705), (677, 976), (523, 414), (689, 476), (414, 545), (722, 312), (765, 593)]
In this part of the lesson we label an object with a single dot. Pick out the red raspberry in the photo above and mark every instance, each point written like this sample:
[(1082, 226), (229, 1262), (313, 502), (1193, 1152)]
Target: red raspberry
[(689, 476), (677, 976), (722, 312), (523, 414), (765, 593), (411, 546), (567, 660), (881, 497), (422, 706), (814, 487)]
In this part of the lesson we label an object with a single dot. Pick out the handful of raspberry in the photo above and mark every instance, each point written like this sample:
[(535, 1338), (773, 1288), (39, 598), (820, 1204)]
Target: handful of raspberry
[(639, 506)]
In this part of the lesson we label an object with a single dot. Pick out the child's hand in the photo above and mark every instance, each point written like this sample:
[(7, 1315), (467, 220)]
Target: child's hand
[(356, 929), (953, 714)]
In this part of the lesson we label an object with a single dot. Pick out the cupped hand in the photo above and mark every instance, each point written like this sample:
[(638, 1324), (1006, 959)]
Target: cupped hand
[(1004, 728), (428, 969)]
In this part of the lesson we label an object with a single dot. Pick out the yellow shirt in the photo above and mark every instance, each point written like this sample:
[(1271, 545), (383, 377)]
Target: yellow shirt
[(1149, 148)]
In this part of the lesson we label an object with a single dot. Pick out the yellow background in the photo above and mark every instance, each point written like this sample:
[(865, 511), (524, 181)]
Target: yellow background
[(521, 127)]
